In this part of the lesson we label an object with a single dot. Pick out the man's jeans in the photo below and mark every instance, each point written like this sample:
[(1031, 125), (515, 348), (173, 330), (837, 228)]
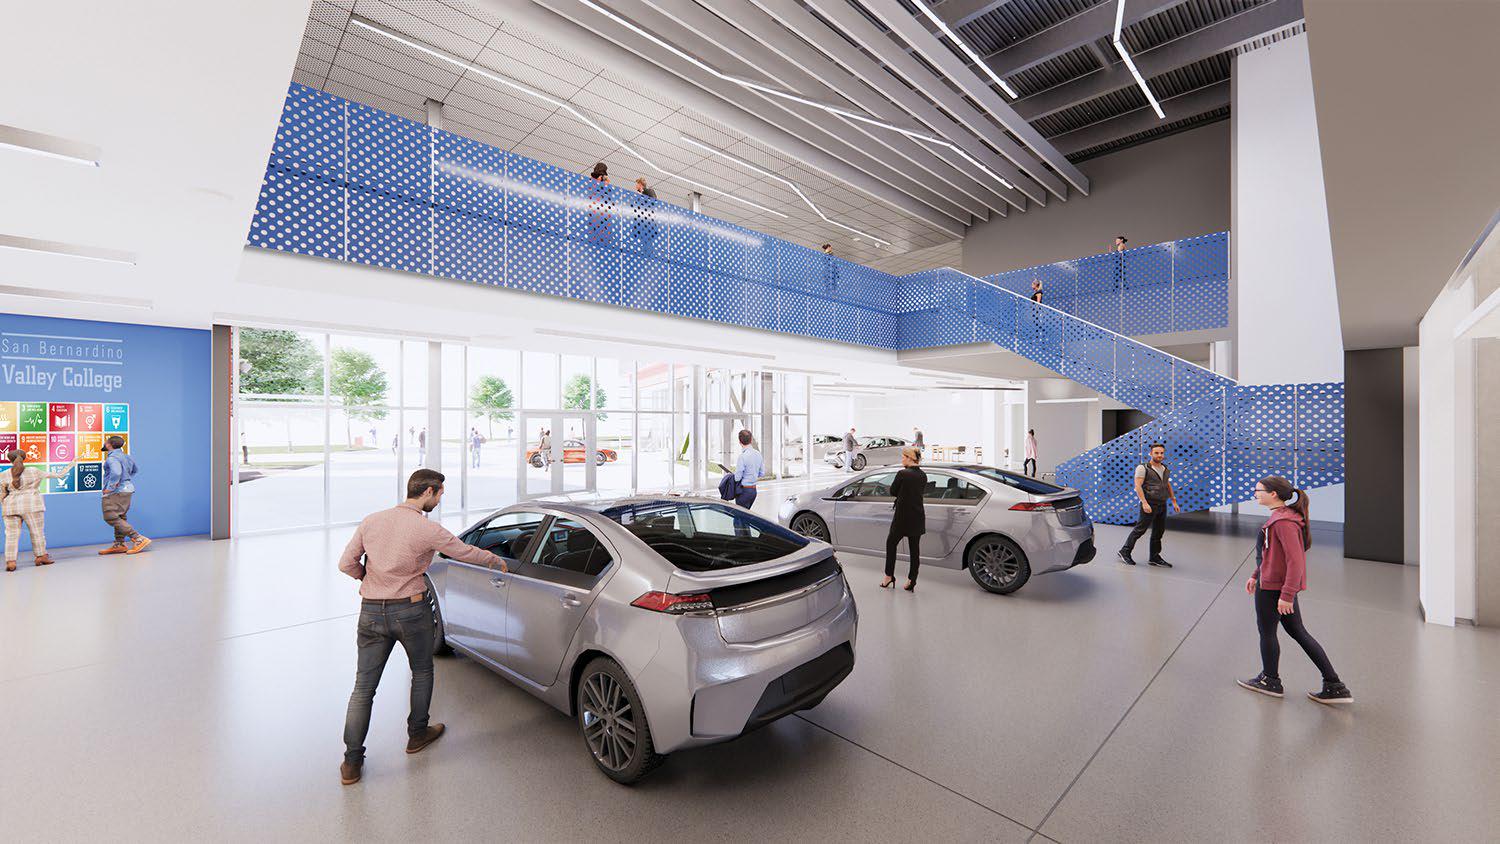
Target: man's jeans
[(381, 626)]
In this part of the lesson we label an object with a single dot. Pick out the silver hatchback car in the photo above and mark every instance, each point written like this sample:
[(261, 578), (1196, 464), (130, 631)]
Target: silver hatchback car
[(659, 623), (1001, 526)]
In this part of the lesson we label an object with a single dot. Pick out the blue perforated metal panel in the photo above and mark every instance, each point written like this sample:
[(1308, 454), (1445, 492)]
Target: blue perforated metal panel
[(350, 182)]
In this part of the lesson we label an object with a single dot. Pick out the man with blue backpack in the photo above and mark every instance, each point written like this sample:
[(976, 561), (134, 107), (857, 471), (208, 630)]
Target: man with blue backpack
[(119, 486)]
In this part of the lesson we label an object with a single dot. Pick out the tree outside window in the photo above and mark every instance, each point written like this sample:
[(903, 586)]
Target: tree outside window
[(492, 399), (576, 395), (358, 382), (274, 362)]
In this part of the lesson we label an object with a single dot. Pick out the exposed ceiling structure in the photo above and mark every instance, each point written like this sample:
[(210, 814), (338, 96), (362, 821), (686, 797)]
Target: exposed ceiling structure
[(1405, 97), (815, 120)]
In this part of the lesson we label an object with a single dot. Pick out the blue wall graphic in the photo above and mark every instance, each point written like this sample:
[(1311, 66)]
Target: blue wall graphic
[(149, 383)]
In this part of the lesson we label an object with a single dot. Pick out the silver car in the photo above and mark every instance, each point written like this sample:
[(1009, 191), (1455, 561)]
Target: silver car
[(1001, 526), (872, 451), (659, 623)]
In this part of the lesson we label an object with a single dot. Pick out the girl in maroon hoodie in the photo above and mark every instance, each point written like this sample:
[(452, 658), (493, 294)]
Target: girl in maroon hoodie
[(1280, 573)]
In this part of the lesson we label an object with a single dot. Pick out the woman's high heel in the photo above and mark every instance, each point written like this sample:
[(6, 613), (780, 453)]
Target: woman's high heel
[(911, 586), (888, 583)]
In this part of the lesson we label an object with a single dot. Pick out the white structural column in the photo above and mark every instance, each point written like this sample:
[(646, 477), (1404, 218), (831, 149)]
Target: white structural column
[(1446, 412), (435, 406), (1286, 305)]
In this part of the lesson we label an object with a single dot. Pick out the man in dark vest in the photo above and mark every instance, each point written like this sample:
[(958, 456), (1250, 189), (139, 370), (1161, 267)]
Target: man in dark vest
[(1153, 486)]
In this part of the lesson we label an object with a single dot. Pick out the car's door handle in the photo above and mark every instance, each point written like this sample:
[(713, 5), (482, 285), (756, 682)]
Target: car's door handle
[(497, 581), (570, 602)]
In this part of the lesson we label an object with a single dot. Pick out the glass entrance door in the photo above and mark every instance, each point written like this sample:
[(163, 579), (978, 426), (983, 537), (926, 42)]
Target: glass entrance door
[(560, 457), (721, 435)]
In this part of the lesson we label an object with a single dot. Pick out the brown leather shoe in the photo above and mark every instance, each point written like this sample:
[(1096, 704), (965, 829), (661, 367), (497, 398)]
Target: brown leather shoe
[(10, 565), (45, 560), (117, 548), (350, 774), (416, 743)]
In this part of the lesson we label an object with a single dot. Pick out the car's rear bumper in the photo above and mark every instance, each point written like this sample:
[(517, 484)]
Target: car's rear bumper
[(701, 690), (1058, 547)]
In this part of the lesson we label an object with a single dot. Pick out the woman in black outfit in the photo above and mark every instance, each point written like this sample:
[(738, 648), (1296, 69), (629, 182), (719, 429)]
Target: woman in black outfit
[(909, 519)]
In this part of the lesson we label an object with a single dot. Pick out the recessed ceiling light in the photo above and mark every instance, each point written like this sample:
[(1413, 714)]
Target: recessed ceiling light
[(48, 146), (71, 250), (470, 67), (713, 150), (959, 42), (1130, 63), (841, 111)]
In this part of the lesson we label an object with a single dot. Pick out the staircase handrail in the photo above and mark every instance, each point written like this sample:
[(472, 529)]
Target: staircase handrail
[(1092, 325)]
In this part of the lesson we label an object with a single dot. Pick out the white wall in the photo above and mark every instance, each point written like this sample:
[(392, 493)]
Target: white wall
[(946, 417), (1446, 497), (1064, 429), (1286, 303)]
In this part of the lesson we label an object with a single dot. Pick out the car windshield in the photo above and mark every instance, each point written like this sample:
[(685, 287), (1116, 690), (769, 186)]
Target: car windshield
[(702, 536), (1011, 479)]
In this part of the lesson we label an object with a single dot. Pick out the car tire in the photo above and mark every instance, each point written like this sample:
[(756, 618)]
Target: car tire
[(440, 646), (997, 564), (536, 460), (622, 759), (600, 459), (859, 462), (812, 526)]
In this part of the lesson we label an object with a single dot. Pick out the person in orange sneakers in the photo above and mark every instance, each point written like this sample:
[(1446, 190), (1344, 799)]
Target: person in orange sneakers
[(119, 486), (21, 503)]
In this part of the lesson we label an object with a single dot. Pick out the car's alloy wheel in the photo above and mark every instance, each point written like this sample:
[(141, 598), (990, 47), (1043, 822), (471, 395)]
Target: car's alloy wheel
[(599, 458), (536, 460), (859, 462), (614, 724), (998, 565), (810, 525)]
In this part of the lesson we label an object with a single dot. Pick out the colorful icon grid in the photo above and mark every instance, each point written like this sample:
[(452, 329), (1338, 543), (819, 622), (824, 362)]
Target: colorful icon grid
[(64, 436)]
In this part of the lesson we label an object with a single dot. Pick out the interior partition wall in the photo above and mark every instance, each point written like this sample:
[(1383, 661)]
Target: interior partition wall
[(328, 426)]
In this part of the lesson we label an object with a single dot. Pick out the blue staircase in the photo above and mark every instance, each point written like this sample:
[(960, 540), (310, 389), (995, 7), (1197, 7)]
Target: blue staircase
[(352, 183)]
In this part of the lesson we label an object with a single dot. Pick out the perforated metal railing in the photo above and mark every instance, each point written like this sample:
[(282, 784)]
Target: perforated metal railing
[(1182, 285), (353, 183)]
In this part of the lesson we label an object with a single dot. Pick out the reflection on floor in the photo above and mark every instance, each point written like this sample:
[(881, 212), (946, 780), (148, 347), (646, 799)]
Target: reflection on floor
[(197, 692)]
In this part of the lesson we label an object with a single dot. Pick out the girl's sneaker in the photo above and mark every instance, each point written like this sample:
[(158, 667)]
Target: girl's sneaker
[(1333, 693), (1263, 684)]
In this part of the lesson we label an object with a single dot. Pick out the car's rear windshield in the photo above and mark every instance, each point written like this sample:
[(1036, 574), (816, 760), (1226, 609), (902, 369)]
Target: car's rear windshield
[(1021, 482), (701, 536)]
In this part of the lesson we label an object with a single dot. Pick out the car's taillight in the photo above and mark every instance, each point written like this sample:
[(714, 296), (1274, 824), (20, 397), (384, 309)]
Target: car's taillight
[(674, 604), (1033, 506)]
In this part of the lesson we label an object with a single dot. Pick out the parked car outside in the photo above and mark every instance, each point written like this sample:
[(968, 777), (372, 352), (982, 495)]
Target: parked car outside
[(873, 451), (1001, 526), (574, 451), (658, 623)]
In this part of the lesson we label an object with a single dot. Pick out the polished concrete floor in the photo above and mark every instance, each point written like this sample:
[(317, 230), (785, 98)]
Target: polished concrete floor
[(197, 693)]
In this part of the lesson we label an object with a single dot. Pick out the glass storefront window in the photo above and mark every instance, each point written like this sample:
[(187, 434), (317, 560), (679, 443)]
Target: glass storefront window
[(579, 390), (655, 385), (280, 479), (413, 373), (454, 364), (539, 385), (280, 365), (616, 380)]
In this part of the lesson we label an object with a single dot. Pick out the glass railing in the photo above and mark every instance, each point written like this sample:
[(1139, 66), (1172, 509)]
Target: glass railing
[(1182, 285)]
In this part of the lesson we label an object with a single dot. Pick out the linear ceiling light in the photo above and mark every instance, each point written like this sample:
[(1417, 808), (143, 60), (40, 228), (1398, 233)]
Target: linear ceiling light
[(49, 146), (713, 150), (470, 67), (959, 43), (53, 247), (1129, 63), (85, 298), (841, 111)]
